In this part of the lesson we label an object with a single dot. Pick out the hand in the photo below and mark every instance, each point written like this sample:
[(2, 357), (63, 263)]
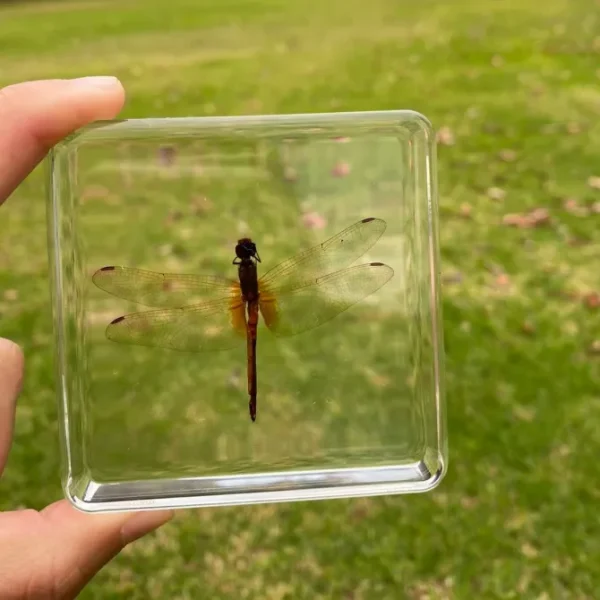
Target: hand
[(55, 552)]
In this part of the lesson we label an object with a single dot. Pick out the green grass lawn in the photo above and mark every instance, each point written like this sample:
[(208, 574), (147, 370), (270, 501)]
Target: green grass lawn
[(514, 89)]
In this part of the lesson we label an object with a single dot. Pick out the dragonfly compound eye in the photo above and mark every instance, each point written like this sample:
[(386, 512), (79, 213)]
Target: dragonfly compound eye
[(245, 248)]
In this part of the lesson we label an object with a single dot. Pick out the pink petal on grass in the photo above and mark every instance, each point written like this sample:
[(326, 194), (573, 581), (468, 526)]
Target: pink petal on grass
[(314, 221), (503, 280), (465, 210), (572, 206), (592, 300), (539, 216), (514, 220), (507, 155), (341, 169), (534, 218), (528, 327), (445, 136)]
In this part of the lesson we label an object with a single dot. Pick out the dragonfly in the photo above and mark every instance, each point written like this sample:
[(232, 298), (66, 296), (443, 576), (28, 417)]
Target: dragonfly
[(204, 313)]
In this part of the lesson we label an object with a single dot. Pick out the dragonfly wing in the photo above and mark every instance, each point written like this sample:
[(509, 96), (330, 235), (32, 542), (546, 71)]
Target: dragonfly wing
[(216, 325), (308, 307), (336, 253), (163, 289)]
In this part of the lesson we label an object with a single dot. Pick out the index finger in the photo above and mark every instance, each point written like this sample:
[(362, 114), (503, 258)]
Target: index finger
[(35, 115)]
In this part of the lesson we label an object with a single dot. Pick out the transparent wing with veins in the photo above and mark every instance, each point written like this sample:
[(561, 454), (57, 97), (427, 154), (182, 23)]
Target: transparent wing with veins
[(311, 288), (203, 313), (150, 288), (213, 325), (337, 252)]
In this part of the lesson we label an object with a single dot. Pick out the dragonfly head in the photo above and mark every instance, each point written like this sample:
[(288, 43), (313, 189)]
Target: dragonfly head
[(246, 249)]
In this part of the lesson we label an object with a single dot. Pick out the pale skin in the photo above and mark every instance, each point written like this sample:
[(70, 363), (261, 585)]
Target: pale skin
[(52, 553)]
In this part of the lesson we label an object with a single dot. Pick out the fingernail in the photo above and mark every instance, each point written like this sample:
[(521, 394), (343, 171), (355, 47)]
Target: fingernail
[(103, 81), (143, 523)]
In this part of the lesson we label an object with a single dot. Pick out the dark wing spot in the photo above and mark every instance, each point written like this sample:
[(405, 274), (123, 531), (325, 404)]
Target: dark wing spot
[(108, 268), (368, 219), (377, 264), (117, 320)]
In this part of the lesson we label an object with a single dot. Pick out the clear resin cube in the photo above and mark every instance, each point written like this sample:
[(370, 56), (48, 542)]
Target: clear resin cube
[(247, 309)]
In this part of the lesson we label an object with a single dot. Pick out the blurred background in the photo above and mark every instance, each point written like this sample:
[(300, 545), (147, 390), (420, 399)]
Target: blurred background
[(513, 90)]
